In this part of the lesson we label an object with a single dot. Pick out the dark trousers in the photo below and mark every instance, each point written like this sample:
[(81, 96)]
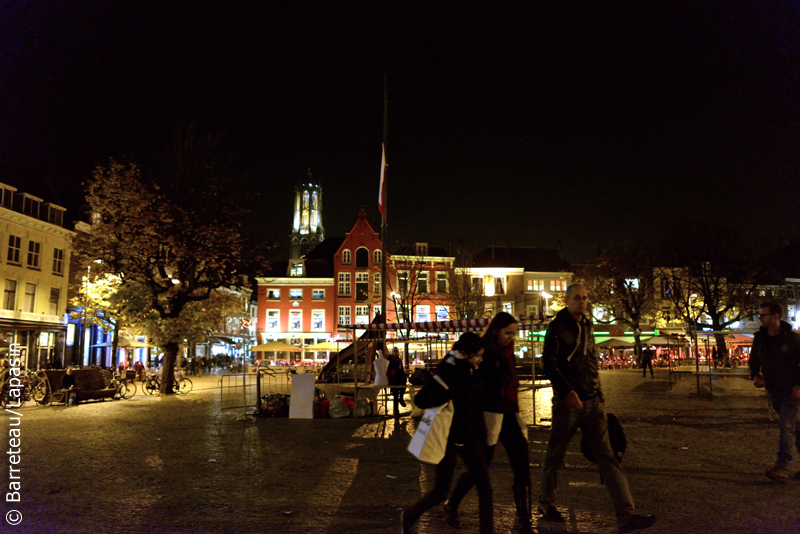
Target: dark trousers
[(517, 449), (645, 365), (788, 410), (473, 456), (591, 419), (397, 395)]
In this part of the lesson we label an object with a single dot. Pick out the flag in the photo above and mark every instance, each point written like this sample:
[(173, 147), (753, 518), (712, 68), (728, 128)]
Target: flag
[(382, 191)]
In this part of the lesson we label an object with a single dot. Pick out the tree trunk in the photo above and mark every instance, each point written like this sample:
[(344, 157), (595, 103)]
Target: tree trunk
[(722, 347), (637, 344), (168, 368), (115, 346)]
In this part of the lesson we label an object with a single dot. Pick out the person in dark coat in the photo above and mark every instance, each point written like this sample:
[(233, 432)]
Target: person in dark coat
[(467, 431), (647, 361), (503, 424), (775, 364), (397, 377)]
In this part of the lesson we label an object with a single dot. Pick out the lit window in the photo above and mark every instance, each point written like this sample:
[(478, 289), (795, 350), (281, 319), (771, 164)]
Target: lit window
[(535, 285), (295, 320), (344, 314), (318, 294), (362, 287), (508, 307), (376, 286), (362, 314), (273, 320), (346, 257), (273, 294), (58, 261), (344, 284), (295, 294), (318, 320), (532, 310), (423, 313), (442, 313), (558, 285), (376, 257), (14, 248), (296, 269)]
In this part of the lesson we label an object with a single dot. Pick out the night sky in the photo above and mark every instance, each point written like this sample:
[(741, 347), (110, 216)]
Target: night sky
[(517, 122)]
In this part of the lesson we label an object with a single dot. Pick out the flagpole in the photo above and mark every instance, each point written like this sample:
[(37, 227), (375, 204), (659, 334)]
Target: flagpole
[(384, 234)]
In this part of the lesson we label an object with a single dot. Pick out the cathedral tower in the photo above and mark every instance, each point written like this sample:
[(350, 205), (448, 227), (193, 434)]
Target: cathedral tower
[(307, 230)]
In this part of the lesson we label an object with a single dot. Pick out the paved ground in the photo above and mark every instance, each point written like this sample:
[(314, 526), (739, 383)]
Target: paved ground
[(176, 464)]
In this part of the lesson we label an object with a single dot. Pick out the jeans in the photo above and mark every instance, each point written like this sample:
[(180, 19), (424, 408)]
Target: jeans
[(788, 410), (591, 419), (473, 456)]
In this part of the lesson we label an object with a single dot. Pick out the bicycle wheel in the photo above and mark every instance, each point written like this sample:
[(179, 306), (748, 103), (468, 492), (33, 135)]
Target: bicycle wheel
[(184, 385), (40, 393), (150, 387), (119, 389), (130, 390)]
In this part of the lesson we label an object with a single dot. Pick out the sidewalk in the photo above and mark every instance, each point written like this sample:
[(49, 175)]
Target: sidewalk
[(174, 464)]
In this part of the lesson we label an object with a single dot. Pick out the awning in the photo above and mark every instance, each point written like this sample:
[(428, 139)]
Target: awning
[(461, 325)]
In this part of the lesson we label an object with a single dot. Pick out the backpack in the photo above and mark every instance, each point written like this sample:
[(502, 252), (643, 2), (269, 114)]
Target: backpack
[(616, 435)]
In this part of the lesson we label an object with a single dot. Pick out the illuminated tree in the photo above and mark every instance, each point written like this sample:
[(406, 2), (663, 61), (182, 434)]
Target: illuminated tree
[(172, 235), (620, 283), (467, 297)]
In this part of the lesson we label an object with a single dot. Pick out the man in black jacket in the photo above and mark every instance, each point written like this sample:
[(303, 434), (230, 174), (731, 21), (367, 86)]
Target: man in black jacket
[(776, 354), (571, 364)]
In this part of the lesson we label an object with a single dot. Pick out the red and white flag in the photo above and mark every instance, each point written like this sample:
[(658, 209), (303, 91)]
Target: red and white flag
[(382, 191)]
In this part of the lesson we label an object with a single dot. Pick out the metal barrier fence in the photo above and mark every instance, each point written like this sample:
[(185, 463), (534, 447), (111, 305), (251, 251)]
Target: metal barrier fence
[(242, 391)]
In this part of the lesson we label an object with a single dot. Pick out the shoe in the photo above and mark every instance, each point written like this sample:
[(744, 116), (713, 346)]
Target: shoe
[(405, 528), (551, 513), (778, 473), (451, 516), (638, 522), (523, 502)]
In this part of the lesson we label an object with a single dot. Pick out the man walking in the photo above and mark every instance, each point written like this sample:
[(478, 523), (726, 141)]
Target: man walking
[(776, 355), (647, 361), (571, 364)]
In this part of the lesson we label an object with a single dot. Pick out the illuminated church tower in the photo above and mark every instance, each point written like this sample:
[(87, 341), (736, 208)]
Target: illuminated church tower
[(307, 230)]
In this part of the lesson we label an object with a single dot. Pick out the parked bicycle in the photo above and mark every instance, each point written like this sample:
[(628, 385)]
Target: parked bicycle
[(152, 385)]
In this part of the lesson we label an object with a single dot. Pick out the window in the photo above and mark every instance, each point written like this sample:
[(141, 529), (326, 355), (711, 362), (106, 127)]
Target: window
[(402, 282), (273, 294), (362, 314), (318, 294), (55, 293), (14, 248), (441, 283), (422, 249), (422, 283), (790, 292), (362, 258), (423, 313), (295, 294), (344, 314), (295, 320), (362, 287), (10, 295), (33, 254), (665, 289), (296, 269), (345, 257), (532, 310), (558, 285), (477, 285), (344, 284), (273, 320), (30, 206), (376, 285), (303, 247), (499, 285), (30, 298), (632, 283), (376, 257), (508, 307), (317, 320), (535, 285), (442, 313), (58, 261)]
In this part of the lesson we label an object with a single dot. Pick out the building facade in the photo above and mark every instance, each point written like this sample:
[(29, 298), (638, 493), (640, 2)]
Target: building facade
[(35, 272)]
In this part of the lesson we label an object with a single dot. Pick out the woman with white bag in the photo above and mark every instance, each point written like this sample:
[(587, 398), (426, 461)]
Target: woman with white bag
[(457, 380)]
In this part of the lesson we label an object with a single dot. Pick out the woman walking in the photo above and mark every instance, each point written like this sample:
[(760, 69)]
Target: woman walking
[(501, 410), (467, 431)]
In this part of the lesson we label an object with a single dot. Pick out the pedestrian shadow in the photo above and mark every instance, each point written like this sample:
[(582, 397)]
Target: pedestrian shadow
[(652, 385)]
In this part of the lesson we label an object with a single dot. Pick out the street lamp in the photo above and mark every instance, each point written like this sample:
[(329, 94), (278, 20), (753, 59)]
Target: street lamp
[(547, 297)]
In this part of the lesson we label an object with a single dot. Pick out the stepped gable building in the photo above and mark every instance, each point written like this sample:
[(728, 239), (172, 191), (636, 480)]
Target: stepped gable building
[(522, 281), (34, 265)]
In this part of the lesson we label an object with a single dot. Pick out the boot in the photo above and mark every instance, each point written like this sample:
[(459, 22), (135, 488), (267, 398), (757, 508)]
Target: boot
[(522, 498), (451, 515)]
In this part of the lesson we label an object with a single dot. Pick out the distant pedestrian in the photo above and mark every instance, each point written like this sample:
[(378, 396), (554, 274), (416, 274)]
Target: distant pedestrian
[(467, 431), (570, 363), (647, 361), (775, 364), (397, 380)]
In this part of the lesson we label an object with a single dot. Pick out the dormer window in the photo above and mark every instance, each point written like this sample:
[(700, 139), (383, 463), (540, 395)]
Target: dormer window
[(422, 249)]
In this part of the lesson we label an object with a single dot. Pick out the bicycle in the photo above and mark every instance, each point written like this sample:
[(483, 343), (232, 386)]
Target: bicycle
[(152, 385)]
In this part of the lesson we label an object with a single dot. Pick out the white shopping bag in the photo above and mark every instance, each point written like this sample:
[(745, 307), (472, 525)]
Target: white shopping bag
[(430, 439)]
